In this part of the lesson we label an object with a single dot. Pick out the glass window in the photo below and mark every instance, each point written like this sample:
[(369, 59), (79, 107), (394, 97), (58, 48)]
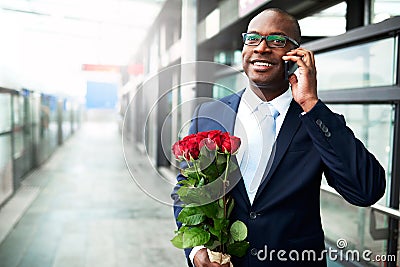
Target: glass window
[(18, 110), (212, 23), (384, 9), (229, 84), (66, 116), (343, 221), (18, 144), (230, 58), (6, 182), (329, 22), (373, 125), (365, 65), (5, 114)]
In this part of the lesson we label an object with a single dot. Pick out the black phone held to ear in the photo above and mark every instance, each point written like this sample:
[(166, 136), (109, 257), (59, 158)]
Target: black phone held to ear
[(290, 68)]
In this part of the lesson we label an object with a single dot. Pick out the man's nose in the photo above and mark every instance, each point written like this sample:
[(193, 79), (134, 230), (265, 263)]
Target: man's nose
[(262, 47)]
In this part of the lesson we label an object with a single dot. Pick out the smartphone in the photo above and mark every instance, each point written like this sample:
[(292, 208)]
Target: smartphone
[(290, 68)]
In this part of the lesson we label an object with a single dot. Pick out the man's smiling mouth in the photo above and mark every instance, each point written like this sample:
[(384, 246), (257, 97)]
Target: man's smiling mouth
[(262, 63)]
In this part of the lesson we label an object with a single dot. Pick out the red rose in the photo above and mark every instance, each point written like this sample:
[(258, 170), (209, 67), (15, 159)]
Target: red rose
[(177, 151), (230, 144), (210, 139), (226, 143), (215, 136), (202, 135), (185, 148), (199, 140), (235, 144), (192, 147), (189, 147), (210, 144)]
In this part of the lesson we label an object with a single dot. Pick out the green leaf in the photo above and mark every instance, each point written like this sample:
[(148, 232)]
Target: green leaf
[(238, 249), (232, 166), (220, 229), (195, 237), (231, 203), (221, 159), (221, 170), (177, 241), (212, 244), (191, 195), (207, 157), (201, 182), (211, 171), (189, 182), (190, 172), (215, 232), (238, 231), (215, 189), (191, 216), (221, 224), (182, 191), (221, 202), (210, 210), (220, 214)]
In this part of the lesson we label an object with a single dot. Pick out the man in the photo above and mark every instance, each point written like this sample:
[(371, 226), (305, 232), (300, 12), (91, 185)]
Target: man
[(280, 205)]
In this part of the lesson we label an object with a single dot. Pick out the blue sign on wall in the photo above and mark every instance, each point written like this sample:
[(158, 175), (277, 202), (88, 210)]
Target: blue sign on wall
[(101, 95)]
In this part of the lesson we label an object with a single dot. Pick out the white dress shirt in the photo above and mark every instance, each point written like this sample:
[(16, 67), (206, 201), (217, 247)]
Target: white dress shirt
[(245, 116)]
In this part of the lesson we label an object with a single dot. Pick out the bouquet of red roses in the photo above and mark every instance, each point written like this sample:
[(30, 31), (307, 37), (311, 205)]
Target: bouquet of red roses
[(207, 207)]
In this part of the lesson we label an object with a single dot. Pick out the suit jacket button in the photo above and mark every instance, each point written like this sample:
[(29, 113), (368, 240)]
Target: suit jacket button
[(253, 251), (324, 129), (253, 215), (318, 122)]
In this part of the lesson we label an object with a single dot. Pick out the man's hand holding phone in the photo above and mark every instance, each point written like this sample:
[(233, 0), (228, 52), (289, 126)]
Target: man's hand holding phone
[(304, 82)]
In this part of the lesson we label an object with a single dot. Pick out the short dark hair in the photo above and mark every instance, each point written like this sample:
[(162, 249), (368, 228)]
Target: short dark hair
[(290, 18)]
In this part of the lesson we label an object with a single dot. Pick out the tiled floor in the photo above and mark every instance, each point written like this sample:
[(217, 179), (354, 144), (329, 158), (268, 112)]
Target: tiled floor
[(88, 211)]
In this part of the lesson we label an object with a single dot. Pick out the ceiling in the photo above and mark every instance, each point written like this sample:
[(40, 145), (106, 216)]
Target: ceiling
[(114, 27), (46, 42)]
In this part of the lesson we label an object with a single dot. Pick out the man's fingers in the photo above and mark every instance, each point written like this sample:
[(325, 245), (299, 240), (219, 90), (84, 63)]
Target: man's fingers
[(302, 54), (214, 264), (201, 260)]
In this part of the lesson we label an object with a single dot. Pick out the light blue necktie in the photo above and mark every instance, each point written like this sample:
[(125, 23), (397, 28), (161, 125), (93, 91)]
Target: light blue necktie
[(260, 140)]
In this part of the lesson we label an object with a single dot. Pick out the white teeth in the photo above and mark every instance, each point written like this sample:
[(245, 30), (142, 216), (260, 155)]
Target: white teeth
[(257, 63)]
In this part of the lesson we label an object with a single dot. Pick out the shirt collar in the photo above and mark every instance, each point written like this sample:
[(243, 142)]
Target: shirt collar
[(280, 103), (251, 100)]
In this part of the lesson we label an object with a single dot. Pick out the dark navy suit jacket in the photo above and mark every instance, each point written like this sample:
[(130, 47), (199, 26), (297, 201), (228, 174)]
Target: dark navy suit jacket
[(285, 213)]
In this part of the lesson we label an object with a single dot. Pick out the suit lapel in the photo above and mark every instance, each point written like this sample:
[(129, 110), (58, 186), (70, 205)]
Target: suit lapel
[(229, 114), (289, 128), (239, 191), (229, 118)]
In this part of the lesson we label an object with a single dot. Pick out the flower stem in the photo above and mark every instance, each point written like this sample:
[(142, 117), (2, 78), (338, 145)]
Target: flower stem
[(224, 197), (197, 171), (228, 157)]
